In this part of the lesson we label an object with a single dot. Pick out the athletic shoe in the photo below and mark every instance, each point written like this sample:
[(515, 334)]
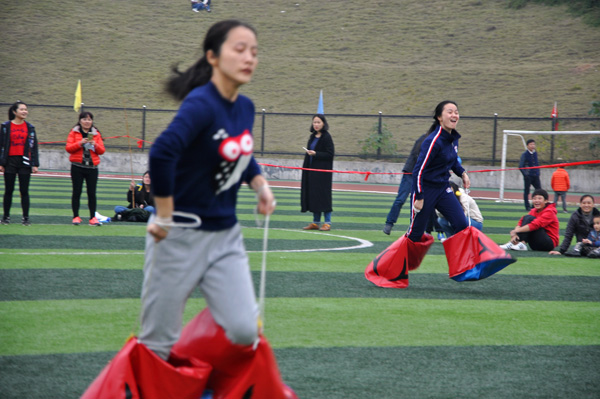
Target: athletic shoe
[(443, 239), (595, 254), (325, 227), (5, 220), (441, 236), (387, 229), (95, 222), (575, 251), (194, 10), (26, 222), (311, 226), (515, 247), (76, 220)]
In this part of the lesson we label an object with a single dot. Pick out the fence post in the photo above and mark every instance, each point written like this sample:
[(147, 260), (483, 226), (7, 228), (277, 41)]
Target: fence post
[(262, 135), (143, 128), (494, 140), (380, 133), (552, 140), (82, 108)]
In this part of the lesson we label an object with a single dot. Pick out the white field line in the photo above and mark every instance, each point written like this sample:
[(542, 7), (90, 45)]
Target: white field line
[(361, 244)]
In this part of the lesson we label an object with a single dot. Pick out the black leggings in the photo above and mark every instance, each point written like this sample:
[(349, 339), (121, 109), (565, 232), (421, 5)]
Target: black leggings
[(9, 188), (538, 239), (78, 175)]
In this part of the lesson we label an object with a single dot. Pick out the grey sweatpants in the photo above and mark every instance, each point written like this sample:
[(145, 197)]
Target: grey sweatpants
[(214, 261)]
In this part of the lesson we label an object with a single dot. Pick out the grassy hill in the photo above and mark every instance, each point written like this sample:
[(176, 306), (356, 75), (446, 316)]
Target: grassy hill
[(398, 57)]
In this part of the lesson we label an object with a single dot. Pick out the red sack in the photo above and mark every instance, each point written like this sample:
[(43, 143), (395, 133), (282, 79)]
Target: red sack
[(390, 268), (474, 256), (239, 371), (138, 373)]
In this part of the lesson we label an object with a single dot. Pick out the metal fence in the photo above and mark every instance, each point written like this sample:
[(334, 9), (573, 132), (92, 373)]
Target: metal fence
[(284, 134)]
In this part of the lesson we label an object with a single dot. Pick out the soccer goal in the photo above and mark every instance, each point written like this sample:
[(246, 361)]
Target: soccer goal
[(521, 133)]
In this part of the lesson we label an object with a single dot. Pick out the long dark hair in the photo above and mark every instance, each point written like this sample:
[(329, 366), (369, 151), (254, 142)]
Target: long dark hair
[(13, 108), (322, 118), (181, 83), (438, 112), (82, 115)]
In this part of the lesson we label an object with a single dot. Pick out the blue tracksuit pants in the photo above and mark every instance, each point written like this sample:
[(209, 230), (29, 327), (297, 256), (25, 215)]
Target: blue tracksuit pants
[(442, 199)]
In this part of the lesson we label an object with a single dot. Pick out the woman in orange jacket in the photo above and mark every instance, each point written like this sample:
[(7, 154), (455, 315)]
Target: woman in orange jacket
[(84, 144), (560, 184)]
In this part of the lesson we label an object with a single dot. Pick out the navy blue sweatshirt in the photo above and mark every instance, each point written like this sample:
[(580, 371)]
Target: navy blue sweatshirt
[(204, 155), (439, 154)]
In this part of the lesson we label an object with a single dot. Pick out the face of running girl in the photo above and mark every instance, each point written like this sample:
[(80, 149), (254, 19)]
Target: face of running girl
[(238, 55), (586, 205), (21, 112), (449, 117), (539, 202), (86, 123), (317, 124)]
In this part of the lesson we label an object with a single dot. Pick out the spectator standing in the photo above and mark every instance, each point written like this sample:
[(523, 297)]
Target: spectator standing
[(531, 177), (539, 227), (84, 144), (560, 183), (405, 186), (580, 223), (316, 187), (18, 157)]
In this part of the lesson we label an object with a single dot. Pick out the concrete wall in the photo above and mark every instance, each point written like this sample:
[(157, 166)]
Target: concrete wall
[(582, 180)]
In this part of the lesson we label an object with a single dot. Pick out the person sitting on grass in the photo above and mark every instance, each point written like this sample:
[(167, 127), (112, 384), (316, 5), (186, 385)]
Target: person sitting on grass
[(589, 246), (539, 227), (580, 223)]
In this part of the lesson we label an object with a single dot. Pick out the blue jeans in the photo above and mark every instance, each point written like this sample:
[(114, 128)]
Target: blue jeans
[(120, 208), (449, 230), (317, 217), (403, 192)]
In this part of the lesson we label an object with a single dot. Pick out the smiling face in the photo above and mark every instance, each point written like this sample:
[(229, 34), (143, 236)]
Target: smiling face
[(21, 113), (449, 117), (237, 59), (539, 202), (86, 123), (586, 205)]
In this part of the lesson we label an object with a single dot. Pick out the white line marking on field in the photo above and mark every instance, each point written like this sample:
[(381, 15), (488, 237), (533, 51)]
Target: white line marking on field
[(362, 243), (72, 253)]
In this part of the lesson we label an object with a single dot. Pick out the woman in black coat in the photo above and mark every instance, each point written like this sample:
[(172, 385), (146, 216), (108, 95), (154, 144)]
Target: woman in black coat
[(315, 193), (580, 223)]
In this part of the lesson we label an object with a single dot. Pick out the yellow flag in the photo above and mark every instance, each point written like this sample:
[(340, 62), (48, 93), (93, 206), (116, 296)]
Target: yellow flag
[(77, 103)]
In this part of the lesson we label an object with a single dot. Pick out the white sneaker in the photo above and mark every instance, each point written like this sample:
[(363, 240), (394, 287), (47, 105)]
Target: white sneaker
[(519, 247), (506, 246)]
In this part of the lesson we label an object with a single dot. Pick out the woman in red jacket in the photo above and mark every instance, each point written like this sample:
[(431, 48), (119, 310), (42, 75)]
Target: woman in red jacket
[(84, 144), (539, 227)]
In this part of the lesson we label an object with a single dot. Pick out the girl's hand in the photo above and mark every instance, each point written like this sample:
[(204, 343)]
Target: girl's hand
[(554, 253), (418, 205), (586, 241), (466, 181), (311, 153), (266, 200)]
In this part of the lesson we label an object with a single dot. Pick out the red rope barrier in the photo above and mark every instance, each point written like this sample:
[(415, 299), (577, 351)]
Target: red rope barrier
[(367, 173)]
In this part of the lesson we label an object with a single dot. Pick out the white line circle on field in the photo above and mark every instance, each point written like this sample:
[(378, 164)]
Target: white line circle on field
[(361, 243)]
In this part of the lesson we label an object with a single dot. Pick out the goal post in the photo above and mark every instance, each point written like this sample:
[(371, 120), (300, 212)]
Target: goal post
[(521, 133)]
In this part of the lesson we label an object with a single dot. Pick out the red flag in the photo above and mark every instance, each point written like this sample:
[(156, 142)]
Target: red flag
[(554, 115), (140, 143)]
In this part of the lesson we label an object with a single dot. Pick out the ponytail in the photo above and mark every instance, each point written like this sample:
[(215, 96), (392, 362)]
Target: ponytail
[(181, 83), (437, 113), (199, 74)]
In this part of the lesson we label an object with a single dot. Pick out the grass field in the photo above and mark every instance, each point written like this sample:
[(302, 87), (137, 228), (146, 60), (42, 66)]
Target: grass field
[(69, 297)]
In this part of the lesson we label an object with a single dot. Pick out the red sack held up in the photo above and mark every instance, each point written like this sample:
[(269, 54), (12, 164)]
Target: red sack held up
[(390, 268), (473, 256), (138, 373), (239, 371)]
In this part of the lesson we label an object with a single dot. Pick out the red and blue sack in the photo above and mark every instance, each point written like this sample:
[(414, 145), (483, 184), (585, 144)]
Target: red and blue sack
[(474, 256), (390, 268)]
